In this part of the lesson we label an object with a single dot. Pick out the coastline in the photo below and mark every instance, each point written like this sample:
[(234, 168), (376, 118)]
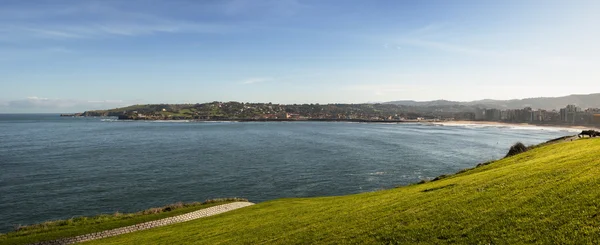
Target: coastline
[(126, 119), (432, 122), (491, 123)]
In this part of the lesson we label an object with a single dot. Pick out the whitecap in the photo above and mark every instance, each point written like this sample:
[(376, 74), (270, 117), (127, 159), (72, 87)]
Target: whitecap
[(509, 126)]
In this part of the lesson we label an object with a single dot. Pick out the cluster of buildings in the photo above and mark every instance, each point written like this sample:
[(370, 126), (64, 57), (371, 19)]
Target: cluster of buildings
[(571, 114)]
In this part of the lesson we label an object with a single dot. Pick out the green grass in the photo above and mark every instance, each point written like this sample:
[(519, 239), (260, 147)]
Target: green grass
[(83, 225), (547, 195), (186, 111)]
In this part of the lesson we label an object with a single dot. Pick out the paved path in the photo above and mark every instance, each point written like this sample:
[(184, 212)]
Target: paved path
[(151, 224), (569, 139)]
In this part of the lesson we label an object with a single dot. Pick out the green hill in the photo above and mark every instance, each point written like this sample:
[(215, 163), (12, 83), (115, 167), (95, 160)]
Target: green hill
[(547, 195)]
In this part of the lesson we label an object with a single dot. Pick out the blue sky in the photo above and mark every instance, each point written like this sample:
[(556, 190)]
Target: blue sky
[(63, 56)]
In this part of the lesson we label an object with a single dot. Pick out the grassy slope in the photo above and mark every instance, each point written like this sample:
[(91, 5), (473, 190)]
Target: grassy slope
[(550, 194), (85, 225)]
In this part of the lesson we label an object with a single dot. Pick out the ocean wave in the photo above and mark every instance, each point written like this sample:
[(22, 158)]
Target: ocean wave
[(164, 121), (109, 120), (216, 121), (514, 127), (168, 121)]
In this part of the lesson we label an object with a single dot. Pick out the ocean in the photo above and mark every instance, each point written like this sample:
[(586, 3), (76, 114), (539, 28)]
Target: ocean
[(55, 167)]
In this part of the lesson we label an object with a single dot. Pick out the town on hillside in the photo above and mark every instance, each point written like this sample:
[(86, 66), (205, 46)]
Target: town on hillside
[(571, 114), (237, 111)]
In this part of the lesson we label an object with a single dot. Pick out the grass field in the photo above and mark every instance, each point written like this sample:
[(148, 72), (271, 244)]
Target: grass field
[(549, 195), (83, 225)]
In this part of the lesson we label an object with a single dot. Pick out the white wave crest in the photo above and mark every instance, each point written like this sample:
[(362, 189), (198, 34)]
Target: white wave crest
[(514, 127), (109, 120)]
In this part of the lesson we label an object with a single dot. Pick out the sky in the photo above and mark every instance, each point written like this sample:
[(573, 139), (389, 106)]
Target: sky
[(69, 56)]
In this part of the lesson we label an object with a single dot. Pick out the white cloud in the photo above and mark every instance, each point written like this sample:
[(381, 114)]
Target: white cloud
[(97, 19), (40, 104), (449, 39), (386, 89), (256, 80), (105, 29), (276, 7), (19, 54), (105, 101), (425, 92), (59, 50), (46, 33), (94, 20), (447, 47)]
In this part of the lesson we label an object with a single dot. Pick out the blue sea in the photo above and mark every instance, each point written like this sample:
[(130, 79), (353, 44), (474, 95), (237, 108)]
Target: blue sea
[(55, 167)]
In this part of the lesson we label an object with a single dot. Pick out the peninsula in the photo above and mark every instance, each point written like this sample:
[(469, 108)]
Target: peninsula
[(570, 115)]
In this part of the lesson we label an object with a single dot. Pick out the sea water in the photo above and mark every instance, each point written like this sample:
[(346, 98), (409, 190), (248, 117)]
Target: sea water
[(55, 167)]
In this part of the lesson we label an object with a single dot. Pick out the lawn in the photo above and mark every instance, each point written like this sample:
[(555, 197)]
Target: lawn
[(547, 195), (83, 225)]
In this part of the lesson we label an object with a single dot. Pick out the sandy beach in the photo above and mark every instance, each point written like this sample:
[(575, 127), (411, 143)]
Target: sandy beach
[(488, 123)]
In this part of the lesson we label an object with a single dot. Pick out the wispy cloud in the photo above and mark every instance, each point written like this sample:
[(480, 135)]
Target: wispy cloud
[(19, 54), (41, 104), (48, 32), (449, 47), (277, 7), (85, 20), (105, 29), (94, 19), (445, 38), (506, 56), (437, 36), (256, 80), (386, 89)]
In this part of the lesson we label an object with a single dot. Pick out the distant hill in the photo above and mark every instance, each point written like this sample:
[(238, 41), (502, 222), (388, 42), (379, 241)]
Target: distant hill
[(548, 103), (424, 103)]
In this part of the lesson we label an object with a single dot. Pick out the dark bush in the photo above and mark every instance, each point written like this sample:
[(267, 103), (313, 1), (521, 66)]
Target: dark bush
[(557, 139), (516, 149), (229, 199), (440, 177), (589, 133), (483, 164), (463, 170)]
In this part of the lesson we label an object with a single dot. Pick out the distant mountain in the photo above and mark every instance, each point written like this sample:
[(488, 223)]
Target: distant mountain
[(425, 103), (548, 103)]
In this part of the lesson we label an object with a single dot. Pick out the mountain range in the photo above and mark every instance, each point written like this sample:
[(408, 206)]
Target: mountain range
[(547, 103)]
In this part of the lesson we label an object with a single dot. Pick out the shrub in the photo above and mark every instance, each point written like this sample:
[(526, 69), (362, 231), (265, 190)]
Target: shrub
[(440, 177), (118, 215), (516, 149), (558, 139), (229, 199), (18, 227), (152, 211), (463, 170), (173, 206)]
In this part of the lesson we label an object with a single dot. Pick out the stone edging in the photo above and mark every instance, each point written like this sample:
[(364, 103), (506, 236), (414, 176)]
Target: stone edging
[(150, 224)]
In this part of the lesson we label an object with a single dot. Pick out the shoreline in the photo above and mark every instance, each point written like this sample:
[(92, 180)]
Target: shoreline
[(269, 120), (491, 123), (430, 122), (435, 122)]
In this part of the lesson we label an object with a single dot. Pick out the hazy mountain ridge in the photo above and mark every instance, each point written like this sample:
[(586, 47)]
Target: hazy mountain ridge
[(548, 103)]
